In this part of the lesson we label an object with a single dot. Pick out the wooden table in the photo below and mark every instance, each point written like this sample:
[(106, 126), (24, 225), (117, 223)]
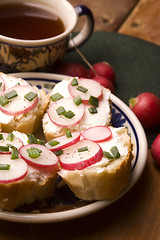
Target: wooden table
[(135, 216)]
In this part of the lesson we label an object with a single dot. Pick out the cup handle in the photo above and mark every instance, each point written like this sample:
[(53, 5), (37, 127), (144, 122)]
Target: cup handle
[(86, 30)]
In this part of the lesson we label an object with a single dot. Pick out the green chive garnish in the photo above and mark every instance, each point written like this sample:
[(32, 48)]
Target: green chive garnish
[(1, 136), (107, 154), (53, 143), (14, 153), (10, 136), (33, 152), (58, 152), (3, 101), (82, 89), (11, 94), (115, 152), (69, 114), (74, 82), (60, 110), (4, 166), (4, 148), (0, 84), (33, 139), (77, 100), (30, 96), (92, 110), (68, 133), (93, 101), (56, 97), (82, 149)]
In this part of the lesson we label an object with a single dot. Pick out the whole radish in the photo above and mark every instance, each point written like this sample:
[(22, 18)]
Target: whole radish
[(102, 69), (155, 149), (146, 107), (73, 69)]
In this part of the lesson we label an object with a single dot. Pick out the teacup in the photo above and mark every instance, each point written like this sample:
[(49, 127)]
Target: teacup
[(18, 54)]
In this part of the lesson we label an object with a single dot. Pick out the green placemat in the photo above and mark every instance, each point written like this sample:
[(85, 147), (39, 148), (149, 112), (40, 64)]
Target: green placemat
[(136, 63)]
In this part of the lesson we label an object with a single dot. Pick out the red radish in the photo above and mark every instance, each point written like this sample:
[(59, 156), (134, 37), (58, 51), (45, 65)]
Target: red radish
[(73, 69), (63, 141), (68, 105), (81, 155), (146, 107), (105, 82), (17, 171), (97, 134), (19, 104), (46, 158), (16, 142), (102, 69), (155, 149), (2, 84), (93, 88)]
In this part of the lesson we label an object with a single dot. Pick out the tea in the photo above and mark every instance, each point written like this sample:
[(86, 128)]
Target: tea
[(24, 21)]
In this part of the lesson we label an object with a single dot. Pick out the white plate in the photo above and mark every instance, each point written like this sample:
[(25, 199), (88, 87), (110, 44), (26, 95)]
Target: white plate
[(122, 116)]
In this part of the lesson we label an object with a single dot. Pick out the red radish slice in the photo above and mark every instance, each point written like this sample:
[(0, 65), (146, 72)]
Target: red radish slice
[(92, 86), (64, 142), (72, 159), (16, 142), (46, 158), (19, 104), (17, 171), (97, 134), (2, 84), (67, 104)]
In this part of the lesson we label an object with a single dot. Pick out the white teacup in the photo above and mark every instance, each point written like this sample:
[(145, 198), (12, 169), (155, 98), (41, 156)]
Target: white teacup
[(18, 55)]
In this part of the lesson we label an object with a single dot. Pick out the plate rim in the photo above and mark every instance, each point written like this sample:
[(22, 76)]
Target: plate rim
[(98, 205)]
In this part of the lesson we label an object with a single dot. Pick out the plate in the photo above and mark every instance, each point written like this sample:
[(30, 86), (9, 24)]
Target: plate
[(70, 207)]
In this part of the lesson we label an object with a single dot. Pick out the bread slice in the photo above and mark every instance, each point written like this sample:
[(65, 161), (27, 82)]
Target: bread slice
[(26, 122), (103, 116), (107, 178)]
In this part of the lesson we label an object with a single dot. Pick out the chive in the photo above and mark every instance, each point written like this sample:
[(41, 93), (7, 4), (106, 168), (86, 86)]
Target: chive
[(69, 114), (4, 148), (115, 152), (56, 97), (60, 110), (92, 110), (82, 89), (1, 136), (33, 152), (93, 101), (107, 154), (53, 143), (3, 101), (82, 149), (0, 84), (4, 166), (77, 100), (30, 96), (58, 152), (33, 139), (68, 133), (11, 94), (74, 82), (14, 153), (10, 136)]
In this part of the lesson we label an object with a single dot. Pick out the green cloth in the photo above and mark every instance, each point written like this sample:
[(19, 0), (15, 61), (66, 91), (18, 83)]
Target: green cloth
[(135, 61)]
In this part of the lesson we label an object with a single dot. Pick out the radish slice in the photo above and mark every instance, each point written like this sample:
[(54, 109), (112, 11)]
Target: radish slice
[(16, 142), (81, 155), (2, 84), (69, 105), (46, 158), (19, 104), (97, 134), (93, 89), (63, 142), (17, 169)]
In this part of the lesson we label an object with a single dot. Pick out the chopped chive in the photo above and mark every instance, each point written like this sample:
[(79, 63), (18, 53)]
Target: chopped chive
[(0, 84), (4, 148), (115, 152), (14, 153), (3, 101), (93, 101), (1, 136), (82, 89), (82, 149), (92, 110), (33, 139), (77, 100), (74, 82), (30, 96), (58, 152), (107, 154), (11, 94), (53, 143), (10, 136), (68, 133), (33, 152), (69, 114), (60, 110), (4, 166), (56, 97)]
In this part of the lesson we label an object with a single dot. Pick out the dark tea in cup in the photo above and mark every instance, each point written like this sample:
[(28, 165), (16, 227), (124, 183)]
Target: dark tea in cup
[(29, 22)]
